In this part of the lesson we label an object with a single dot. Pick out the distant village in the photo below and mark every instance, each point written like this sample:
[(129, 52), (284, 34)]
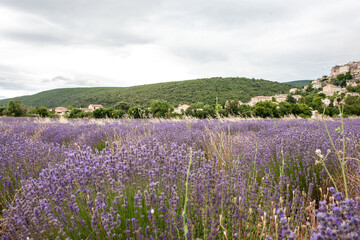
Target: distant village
[(323, 84)]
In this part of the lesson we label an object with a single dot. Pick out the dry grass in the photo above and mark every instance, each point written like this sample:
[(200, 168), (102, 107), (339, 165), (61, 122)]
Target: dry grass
[(219, 146)]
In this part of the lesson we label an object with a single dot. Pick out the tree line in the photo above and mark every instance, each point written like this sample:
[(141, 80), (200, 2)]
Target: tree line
[(310, 101)]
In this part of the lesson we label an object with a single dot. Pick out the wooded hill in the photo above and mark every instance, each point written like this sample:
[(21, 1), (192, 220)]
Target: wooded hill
[(299, 83), (182, 92)]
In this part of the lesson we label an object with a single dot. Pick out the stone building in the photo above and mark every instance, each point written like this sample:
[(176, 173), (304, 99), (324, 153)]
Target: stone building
[(353, 67), (181, 107), (293, 90), (93, 107), (330, 89), (317, 83), (60, 110)]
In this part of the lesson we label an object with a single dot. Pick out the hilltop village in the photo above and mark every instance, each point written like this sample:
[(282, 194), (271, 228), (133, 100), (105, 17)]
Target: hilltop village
[(343, 81)]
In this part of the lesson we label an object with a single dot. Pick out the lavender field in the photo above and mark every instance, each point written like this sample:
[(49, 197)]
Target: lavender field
[(179, 179)]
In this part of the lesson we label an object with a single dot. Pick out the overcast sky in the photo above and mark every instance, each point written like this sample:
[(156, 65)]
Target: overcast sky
[(46, 44)]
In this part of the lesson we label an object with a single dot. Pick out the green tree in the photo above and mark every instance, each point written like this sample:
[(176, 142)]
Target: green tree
[(99, 113), (290, 99), (122, 105), (43, 112), (245, 111), (305, 111), (32, 110), (287, 108), (310, 88), (161, 108), (3, 110), (317, 103), (233, 108), (75, 113), (15, 108), (266, 109), (136, 112), (118, 113), (70, 108)]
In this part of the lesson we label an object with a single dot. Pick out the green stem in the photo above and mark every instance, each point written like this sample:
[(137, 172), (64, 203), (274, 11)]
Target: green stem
[(186, 197), (341, 159), (342, 162), (254, 170), (327, 171)]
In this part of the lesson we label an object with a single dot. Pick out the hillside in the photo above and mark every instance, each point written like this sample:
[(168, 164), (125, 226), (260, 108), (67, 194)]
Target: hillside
[(189, 91), (298, 83)]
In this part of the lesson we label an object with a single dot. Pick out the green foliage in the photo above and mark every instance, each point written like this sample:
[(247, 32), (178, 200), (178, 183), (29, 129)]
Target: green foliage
[(352, 106), (245, 111), (310, 88), (108, 113), (185, 92), (287, 108), (266, 109), (99, 113), (290, 99), (305, 111), (353, 88), (76, 113), (118, 113), (341, 79), (299, 83), (136, 112), (161, 109), (199, 110), (317, 104), (233, 108), (351, 100), (346, 76), (43, 112), (3, 110), (15, 108), (32, 110), (122, 105)]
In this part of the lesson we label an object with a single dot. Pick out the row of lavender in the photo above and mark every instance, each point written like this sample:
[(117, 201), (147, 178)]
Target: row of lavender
[(87, 179)]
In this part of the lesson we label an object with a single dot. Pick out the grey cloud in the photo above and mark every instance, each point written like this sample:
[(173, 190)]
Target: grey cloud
[(78, 81), (12, 78), (201, 55), (108, 22), (113, 22), (272, 39), (36, 38), (8, 84)]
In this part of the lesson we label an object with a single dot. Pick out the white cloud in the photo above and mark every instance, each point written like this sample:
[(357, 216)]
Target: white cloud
[(68, 43)]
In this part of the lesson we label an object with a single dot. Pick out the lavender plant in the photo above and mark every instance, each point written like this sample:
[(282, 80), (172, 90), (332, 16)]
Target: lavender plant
[(137, 183)]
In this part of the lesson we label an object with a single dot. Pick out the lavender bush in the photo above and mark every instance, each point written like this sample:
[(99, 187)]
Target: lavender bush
[(122, 179)]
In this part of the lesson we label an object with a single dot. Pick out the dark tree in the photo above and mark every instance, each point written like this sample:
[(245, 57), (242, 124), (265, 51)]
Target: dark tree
[(122, 105), (15, 108), (43, 112)]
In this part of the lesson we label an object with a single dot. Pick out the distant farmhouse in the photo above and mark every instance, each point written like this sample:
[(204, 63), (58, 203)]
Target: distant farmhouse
[(60, 110), (90, 108), (93, 107)]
